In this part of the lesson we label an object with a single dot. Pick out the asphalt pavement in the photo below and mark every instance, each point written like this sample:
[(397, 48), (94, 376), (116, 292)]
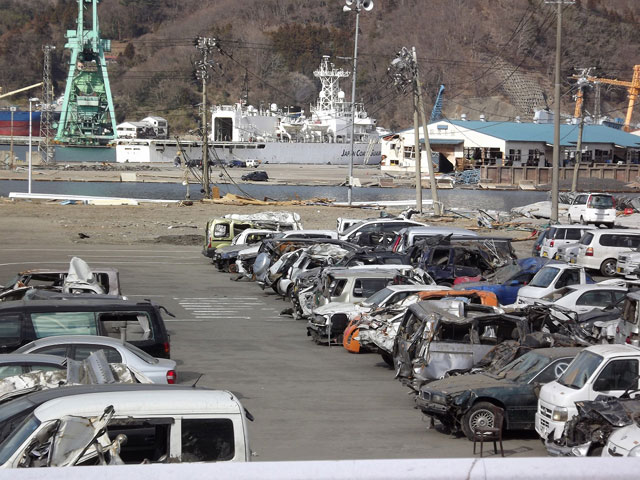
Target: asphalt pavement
[(310, 402)]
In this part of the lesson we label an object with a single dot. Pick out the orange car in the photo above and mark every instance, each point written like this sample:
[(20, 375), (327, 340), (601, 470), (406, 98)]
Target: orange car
[(481, 297)]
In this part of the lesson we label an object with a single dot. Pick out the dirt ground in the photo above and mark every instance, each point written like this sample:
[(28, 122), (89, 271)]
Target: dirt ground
[(167, 223)]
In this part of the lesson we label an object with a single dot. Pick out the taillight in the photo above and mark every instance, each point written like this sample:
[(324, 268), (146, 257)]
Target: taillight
[(396, 243), (172, 377), (589, 252), (538, 247), (167, 348), (552, 243), (628, 340)]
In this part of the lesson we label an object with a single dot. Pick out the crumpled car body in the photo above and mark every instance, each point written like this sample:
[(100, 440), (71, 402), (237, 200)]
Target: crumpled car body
[(587, 433), (442, 335)]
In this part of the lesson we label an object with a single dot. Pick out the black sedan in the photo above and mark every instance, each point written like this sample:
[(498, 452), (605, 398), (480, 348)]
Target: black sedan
[(467, 401)]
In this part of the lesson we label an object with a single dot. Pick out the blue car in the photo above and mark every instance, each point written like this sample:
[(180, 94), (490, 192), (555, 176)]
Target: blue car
[(507, 280)]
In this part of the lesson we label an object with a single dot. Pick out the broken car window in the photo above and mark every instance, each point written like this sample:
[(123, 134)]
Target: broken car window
[(128, 326), (18, 437), (64, 323), (207, 440)]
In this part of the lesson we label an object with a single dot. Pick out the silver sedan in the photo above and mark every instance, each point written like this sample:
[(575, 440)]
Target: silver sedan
[(79, 347)]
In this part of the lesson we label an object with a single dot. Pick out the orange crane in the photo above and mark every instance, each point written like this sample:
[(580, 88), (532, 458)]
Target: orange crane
[(633, 87)]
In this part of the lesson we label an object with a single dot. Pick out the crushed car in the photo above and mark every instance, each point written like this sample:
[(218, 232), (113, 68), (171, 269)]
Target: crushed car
[(465, 402)]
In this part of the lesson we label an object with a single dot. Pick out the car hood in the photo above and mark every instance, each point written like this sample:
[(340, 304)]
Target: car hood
[(461, 383)]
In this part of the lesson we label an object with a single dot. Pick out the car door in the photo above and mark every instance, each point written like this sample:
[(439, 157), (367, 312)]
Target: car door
[(594, 299), (615, 378), (577, 207), (522, 405)]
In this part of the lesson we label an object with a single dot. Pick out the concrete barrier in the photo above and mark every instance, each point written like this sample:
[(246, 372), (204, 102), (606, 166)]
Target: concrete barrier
[(625, 173)]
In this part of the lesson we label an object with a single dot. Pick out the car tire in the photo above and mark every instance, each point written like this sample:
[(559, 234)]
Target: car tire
[(482, 414), (608, 267), (388, 358)]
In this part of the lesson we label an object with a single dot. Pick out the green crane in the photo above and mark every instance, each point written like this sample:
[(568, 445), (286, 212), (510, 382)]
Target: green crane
[(87, 116)]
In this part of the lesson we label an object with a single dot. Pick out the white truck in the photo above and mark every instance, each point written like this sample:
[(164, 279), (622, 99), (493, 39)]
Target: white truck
[(597, 370), (546, 285)]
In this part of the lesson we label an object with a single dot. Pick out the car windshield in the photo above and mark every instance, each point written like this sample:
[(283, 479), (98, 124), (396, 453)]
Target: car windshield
[(601, 201), (580, 370), (141, 354), (506, 273), (544, 277), (18, 437), (378, 297), (524, 368)]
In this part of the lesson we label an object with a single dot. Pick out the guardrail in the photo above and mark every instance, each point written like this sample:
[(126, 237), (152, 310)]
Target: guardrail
[(540, 468)]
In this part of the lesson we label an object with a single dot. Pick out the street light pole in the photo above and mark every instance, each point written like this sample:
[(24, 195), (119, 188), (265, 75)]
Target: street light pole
[(357, 6), (31, 100)]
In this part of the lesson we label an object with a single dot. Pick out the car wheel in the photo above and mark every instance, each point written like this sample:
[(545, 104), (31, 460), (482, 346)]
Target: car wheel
[(388, 358), (482, 414), (608, 267)]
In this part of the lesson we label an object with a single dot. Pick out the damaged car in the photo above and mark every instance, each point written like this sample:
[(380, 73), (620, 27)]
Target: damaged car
[(438, 336), (465, 402), (131, 427)]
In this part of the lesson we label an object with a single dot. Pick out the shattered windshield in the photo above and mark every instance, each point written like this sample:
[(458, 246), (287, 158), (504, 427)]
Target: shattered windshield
[(505, 273), (544, 277), (524, 368), (580, 370), (18, 437)]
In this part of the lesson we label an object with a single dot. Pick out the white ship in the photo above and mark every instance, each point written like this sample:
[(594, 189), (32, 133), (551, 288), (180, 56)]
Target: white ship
[(273, 135)]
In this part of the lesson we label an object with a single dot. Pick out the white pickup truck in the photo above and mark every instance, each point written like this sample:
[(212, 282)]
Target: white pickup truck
[(546, 285), (597, 370)]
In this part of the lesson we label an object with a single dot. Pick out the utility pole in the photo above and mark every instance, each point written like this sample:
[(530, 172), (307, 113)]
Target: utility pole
[(45, 146), (556, 118), (582, 83), (13, 109), (403, 72), (203, 67), (427, 142)]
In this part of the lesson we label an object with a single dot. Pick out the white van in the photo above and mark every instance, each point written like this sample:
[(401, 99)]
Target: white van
[(167, 425), (599, 249), (596, 208), (561, 235), (597, 370)]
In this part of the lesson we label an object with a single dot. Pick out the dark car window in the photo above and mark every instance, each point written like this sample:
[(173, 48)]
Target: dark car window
[(57, 350), (573, 234), (207, 440), (83, 351), (586, 238), (571, 276), (617, 375), (440, 256), (365, 287), (10, 329), (598, 298)]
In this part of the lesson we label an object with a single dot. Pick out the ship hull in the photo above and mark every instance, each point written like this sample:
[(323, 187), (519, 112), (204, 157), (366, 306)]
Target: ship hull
[(298, 153)]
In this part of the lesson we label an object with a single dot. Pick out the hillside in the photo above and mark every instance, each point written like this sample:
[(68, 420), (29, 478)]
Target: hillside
[(492, 56)]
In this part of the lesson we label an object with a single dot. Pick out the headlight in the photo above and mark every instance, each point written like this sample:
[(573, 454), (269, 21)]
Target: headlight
[(634, 452), (560, 414)]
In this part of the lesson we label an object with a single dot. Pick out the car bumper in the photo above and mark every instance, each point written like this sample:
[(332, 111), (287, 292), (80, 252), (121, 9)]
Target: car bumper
[(556, 450), (547, 428)]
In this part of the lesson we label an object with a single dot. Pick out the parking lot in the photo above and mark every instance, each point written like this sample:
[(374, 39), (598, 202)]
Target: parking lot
[(309, 402)]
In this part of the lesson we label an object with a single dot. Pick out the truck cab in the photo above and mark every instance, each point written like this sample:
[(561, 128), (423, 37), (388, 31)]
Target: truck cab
[(598, 370)]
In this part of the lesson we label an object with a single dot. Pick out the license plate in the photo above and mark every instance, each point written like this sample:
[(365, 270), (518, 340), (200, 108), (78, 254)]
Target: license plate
[(573, 260)]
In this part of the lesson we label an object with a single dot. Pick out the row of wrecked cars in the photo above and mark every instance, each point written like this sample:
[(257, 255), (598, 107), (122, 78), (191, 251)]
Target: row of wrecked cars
[(474, 332), (86, 379)]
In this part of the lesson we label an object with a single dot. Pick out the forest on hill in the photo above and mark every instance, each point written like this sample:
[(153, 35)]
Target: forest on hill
[(492, 56)]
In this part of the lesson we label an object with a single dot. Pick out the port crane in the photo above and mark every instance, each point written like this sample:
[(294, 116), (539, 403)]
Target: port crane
[(87, 116), (633, 87)]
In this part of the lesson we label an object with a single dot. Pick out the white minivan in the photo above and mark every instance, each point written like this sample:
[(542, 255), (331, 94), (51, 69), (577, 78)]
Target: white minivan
[(599, 249), (560, 236), (597, 370), (132, 426), (596, 208)]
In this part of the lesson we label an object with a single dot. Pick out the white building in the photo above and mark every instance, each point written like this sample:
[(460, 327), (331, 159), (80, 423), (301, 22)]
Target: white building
[(160, 126), (462, 144), (130, 129)]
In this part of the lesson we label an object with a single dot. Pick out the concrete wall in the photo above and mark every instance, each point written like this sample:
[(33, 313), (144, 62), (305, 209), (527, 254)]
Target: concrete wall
[(542, 175)]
